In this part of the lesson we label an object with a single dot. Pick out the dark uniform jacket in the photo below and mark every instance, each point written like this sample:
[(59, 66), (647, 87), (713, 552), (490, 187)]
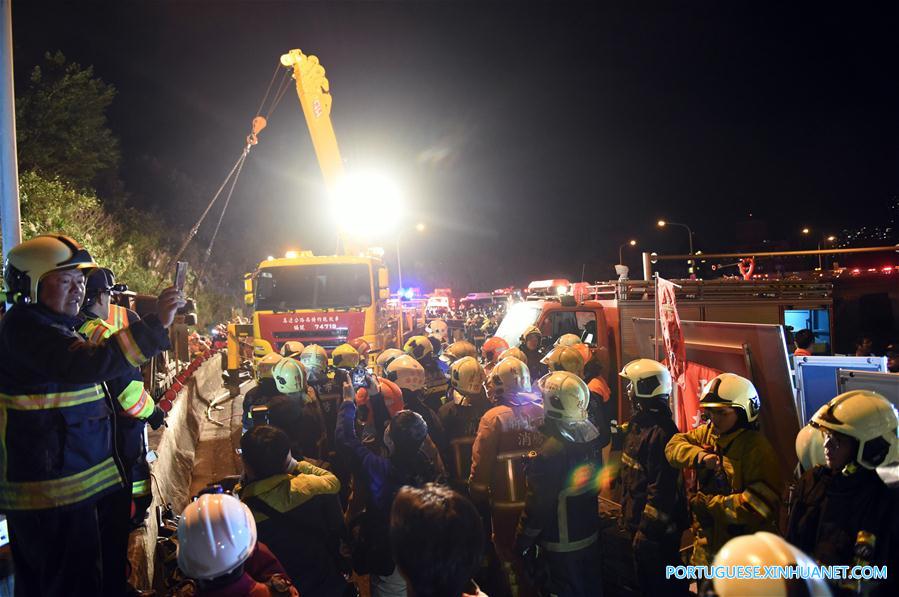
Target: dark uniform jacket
[(653, 497), (828, 509), (561, 511), (56, 429)]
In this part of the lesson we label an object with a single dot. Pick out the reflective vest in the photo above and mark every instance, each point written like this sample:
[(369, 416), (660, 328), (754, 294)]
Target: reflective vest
[(56, 444), (117, 317)]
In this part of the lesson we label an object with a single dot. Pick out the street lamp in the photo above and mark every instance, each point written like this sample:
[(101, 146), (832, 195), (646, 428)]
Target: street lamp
[(632, 243), (663, 223), (829, 239)]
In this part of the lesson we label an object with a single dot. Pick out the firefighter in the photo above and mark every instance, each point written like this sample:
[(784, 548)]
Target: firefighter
[(530, 345), (506, 434), (434, 391), (564, 358), (561, 513), (385, 358), (462, 414), (135, 407), (263, 391), (653, 498), (56, 422), (437, 328), (737, 470), (408, 374), (490, 351), (454, 352), (307, 433), (843, 513)]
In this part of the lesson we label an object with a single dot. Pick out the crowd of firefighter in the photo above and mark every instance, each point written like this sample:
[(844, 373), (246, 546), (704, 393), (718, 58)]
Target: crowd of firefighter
[(438, 469)]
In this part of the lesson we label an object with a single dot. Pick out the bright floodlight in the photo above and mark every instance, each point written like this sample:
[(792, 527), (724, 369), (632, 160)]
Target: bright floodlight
[(420, 226), (366, 203), (661, 223), (561, 289)]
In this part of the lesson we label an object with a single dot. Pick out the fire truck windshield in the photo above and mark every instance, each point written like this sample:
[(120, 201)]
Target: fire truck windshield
[(518, 318), (314, 286)]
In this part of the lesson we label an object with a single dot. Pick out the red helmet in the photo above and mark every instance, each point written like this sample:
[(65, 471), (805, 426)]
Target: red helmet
[(492, 348), (361, 346)]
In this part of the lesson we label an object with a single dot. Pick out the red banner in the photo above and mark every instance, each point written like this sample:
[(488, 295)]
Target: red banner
[(675, 349)]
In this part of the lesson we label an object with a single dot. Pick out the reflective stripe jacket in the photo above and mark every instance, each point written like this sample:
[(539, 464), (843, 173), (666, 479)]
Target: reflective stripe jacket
[(128, 390), (506, 434), (653, 498), (739, 499), (561, 511), (56, 444)]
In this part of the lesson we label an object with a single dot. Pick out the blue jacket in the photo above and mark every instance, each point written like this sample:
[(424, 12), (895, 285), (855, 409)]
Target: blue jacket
[(56, 428)]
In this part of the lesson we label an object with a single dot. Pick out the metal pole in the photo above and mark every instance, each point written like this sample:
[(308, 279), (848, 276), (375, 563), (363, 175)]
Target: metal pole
[(583, 268), (621, 254), (10, 217), (647, 266), (399, 296), (820, 258), (656, 317)]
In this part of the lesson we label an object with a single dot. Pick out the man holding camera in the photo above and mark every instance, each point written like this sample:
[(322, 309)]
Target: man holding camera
[(59, 464)]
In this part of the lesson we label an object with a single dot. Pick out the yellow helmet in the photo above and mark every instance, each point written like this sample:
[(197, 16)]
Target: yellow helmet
[(418, 347), (459, 349), (508, 378), (386, 357), (265, 365), (810, 447), (261, 348), (292, 347), (466, 375), (731, 390), (33, 259), (530, 331), (515, 353), (565, 396), (290, 376), (564, 358), (648, 378), (345, 357), (568, 340), (315, 359), (867, 417)]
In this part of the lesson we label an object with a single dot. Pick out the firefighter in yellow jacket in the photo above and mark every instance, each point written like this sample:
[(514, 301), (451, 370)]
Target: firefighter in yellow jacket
[(737, 471)]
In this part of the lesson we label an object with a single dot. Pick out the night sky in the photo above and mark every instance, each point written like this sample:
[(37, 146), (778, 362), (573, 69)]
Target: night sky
[(531, 138)]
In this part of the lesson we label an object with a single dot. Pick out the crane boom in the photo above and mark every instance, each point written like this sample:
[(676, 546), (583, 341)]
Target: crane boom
[(315, 98)]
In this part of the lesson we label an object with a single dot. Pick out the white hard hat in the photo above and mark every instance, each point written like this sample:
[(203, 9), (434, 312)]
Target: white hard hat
[(870, 419), (217, 533), (568, 340), (810, 447), (438, 329), (565, 396), (467, 375), (386, 357), (764, 549), (508, 378), (406, 372), (564, 358), (649, 378), (734, 391)]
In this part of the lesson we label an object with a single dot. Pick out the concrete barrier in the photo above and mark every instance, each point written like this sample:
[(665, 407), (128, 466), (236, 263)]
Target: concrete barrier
[(175, 446)]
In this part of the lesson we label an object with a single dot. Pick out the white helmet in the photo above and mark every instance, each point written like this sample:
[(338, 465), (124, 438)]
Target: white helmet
[(466, 375), (870, 419), (764, 549), (438, 329), (265, 365), (292, 347), (810, 447), (568, 340), (565, 396), (649, 378), (508, 378), (731, 390), (290, 376), (386, 357), (217, 533), (406, 372), (457, 350)]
